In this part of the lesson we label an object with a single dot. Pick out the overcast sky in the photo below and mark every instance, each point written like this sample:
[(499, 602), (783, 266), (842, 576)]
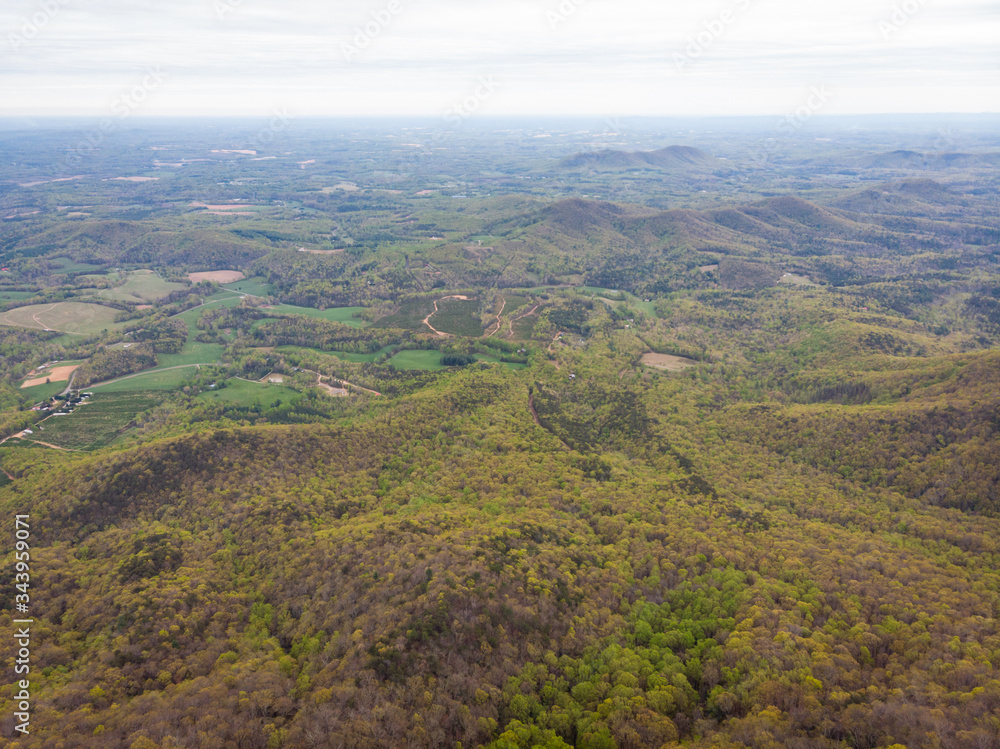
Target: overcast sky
[(606, 57)]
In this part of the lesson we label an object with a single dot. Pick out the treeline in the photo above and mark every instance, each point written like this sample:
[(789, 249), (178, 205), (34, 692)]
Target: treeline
[(109, 363), (324, 335), (165, 335)]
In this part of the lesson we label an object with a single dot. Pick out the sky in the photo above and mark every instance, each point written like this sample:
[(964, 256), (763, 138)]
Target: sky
[(465, 58)]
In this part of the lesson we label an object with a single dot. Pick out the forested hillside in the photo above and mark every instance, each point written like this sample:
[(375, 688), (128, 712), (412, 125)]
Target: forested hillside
[(507, 448)]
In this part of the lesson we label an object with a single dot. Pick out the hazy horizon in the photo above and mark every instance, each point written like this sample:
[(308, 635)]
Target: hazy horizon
[(441, 58)]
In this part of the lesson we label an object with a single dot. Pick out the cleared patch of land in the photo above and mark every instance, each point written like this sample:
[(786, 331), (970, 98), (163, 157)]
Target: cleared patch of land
[(345, 356), (141, 286), (668, 362), (457, 315), (428, 360), (409, 316), (243, 393), (256, 286), (19, 296), (56, 374), (97, 422), (133, 179), (43, 392), (227, 207), (47, 181), (217, 276), (153, 379), (321, 252), (68, 265), (343, 315), (796, 280), (66, 317)]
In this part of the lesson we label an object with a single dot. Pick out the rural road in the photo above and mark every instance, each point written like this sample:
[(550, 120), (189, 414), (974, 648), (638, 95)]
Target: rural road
[(427, 320), (69, 385), (529, 313), (345, 383), (499, 322)]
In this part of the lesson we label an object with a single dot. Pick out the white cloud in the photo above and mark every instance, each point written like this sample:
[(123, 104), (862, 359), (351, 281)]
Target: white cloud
[(605, 57)]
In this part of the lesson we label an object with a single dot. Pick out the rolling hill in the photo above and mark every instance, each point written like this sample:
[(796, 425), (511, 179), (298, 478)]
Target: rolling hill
[(669, 158)]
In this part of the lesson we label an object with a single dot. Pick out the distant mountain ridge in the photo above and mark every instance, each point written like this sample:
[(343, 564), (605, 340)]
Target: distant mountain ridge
[(905, 159), (671, 157)]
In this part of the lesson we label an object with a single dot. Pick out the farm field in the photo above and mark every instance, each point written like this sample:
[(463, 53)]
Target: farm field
[(15, 296), (217, 276), (343, 315), (62, 373), (428, 360), (431, 361), (194, 352), (244, 393), (345, 356), (67, 317), (668, 362), (255, 286), (98, 422), (409, 316), (42, 392), (68, 265), (153, 379), (458, 317), (141, 286)]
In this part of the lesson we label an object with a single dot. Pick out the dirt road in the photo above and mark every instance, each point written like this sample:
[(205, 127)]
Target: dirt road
[(499, 322), (427, 320)]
